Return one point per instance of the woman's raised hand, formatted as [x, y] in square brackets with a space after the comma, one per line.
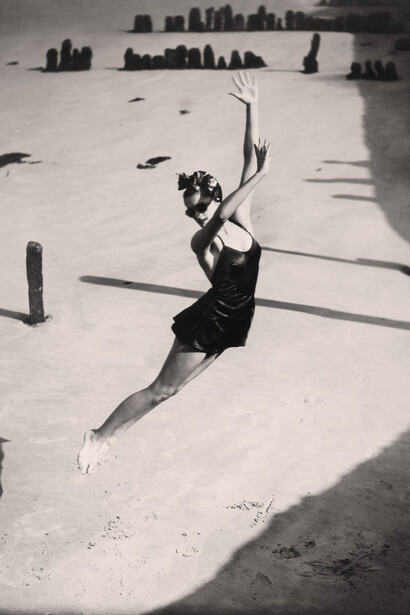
[248, 88]
[263, 158]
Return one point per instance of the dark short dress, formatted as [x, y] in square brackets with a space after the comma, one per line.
[221, 318]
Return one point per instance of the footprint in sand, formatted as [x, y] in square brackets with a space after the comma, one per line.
[116, 529]
[29, 532]
[187, 549]
[263, 510]
[30, 517]
[40, 523]
[152, 516]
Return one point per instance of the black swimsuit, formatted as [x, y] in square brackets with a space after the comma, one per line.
[221, 317]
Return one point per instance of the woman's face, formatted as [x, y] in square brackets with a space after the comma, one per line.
[197, 204]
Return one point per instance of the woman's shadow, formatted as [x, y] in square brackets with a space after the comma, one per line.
[2, 440]
[342, 551]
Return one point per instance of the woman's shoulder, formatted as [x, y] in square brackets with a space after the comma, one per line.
[199, 248]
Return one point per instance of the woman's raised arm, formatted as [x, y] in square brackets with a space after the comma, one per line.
[248, 94]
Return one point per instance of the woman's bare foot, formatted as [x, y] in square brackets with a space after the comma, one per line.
[91, 451]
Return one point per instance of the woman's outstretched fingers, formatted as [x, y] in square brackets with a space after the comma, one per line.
[236, 81]
[242, 78]
[248, 89]
[262, 152]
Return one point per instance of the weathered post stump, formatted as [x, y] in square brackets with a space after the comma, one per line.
[194, 58]
[209, 57]
[181, 54]
[34, 267]
[369, 73]
[380, 71]
[171, 58]
[76, 59]
[65, 55]
[355, 71]
[129, 59]
[310, 62]
[179, 23]
[158, 62]
[221, 65]
[86, 55]
[391, 72]
[52, 60]
[236, 62]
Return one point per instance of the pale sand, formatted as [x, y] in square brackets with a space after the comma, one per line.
[279, 479]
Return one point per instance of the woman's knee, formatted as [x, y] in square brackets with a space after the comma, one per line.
[161, 392]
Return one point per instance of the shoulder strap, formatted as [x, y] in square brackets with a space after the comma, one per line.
[243, 228]
[240, 226]
[223, 243]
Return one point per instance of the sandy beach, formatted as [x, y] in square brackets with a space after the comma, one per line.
[278, 481]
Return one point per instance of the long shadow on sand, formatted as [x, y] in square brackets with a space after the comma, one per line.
[342, 552]
[363, 262]
[347, 180]
[271, 303]
[355, 197]
[15, 315]
[354, 163]
[343, 180]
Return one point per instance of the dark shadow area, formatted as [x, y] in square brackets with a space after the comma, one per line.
[334, 314]
[344, 180]
[344, 551]
[271, 303]
[355, 197]
[363, 262]
[386, 123]
[15, 315]
[2, 441]
[150, 288]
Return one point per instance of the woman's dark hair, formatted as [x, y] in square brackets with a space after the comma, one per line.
[200, 180]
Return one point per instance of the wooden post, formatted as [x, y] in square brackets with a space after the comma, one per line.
[34, 266]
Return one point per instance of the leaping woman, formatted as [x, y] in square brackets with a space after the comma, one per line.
[229, 255]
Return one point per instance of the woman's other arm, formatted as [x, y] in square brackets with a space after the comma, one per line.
[202, 240]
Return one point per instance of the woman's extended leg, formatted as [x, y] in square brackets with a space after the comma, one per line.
[181, 366]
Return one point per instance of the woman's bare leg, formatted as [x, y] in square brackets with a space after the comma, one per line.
[181, 366]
